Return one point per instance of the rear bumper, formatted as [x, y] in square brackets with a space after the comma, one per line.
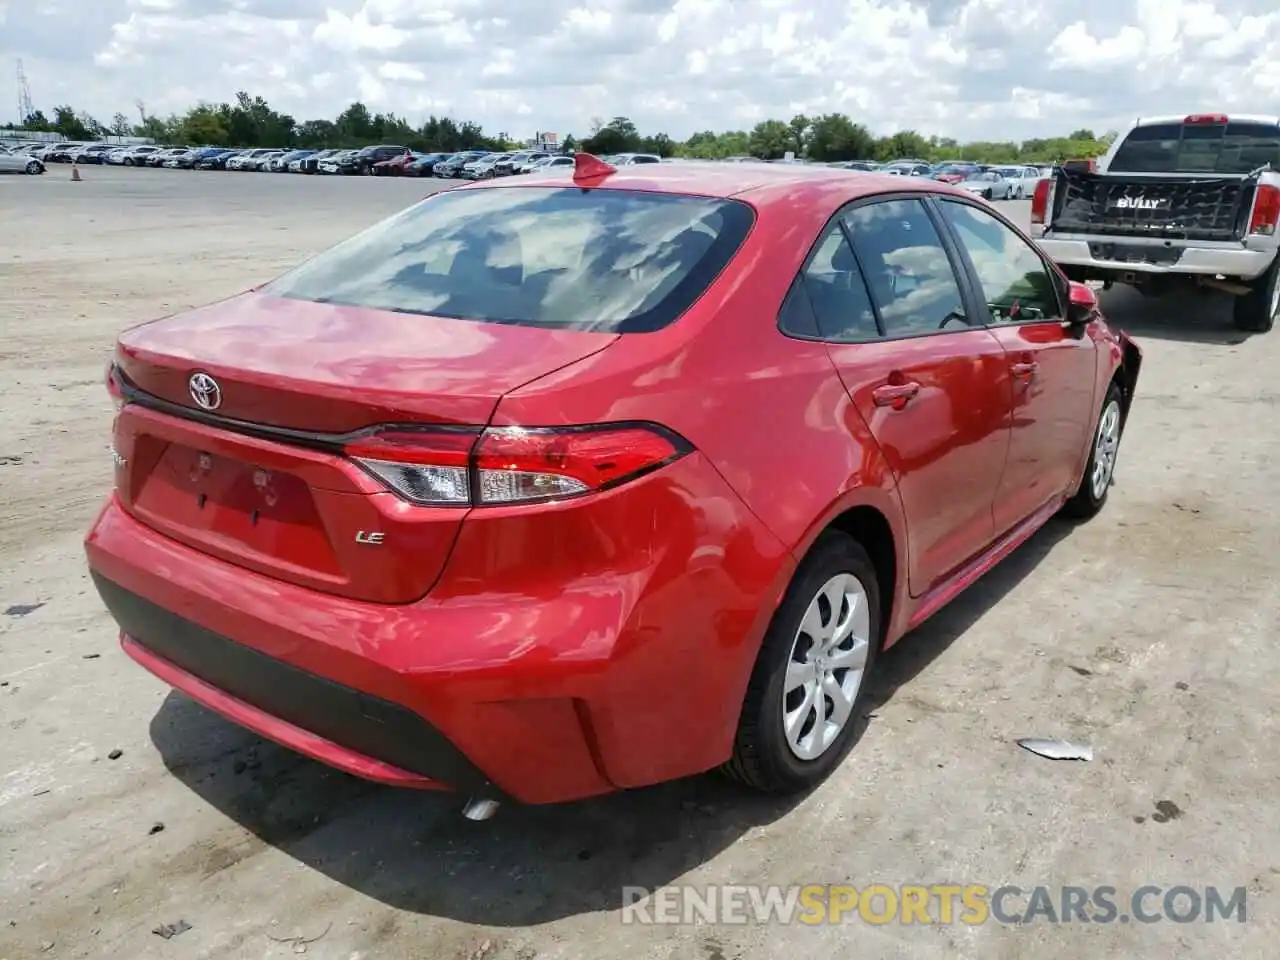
[265, 724]
[1226, 259]
[544, 685]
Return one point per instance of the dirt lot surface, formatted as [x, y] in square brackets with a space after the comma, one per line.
[1149, 633]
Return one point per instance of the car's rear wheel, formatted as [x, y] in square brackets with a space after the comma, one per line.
[806, 691]
[1257, 310]
[1101, 468]
[986, 194]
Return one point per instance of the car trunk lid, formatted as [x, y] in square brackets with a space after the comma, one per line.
[257, 477]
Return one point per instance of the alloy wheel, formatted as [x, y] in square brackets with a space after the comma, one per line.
[826, 667]
[1105, 448]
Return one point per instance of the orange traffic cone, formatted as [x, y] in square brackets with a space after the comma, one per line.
[75, 173]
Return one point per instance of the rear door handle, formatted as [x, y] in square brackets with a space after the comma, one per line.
[895, 395]
[1025, 371]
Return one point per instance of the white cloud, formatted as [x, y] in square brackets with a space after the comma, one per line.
[972, 69]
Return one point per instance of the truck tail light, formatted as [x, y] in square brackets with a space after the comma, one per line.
[473, 467]
[1266, 210]
[1040, 200]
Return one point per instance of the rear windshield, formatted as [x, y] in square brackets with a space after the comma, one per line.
[612, 261]
[1232, 148]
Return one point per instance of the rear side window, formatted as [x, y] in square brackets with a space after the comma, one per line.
[612, 261]
[837, 292]
[1235, 147]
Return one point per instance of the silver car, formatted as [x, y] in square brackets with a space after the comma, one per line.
[20, 163]
[989, 185]
[1024, 179]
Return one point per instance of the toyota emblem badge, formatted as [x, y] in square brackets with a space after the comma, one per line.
[205, 391]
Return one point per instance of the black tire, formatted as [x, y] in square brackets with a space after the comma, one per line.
[1255, 311]
[33, 168]
[128, 161]
[762, 759]
[1088, 500]
[986, 195]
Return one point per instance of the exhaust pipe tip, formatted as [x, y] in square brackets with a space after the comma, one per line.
[480, 809]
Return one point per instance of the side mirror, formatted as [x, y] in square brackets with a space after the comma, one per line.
[1082, 304]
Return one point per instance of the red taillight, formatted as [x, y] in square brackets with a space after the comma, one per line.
[1040, 200]
[1198, 118]
[507, 465]
[1266, 210]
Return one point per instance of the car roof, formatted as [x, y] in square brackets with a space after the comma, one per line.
[758, 183]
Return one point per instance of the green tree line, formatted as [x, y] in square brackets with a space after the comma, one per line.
[249, 121]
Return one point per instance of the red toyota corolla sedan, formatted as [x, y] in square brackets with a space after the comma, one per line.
[546, 489]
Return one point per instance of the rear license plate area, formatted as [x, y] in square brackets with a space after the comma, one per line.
[1136, 253]
[224, 501]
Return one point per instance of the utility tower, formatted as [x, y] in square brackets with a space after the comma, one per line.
[25, 107]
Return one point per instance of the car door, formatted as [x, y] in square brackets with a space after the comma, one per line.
[931, 386]
[1052, 366]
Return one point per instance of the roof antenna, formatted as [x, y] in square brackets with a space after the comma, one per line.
[588, 167]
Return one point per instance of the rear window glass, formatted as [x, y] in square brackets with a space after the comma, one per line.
[603, 260]
[1231, 148]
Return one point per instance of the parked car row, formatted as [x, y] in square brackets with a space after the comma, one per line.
[990, 181]
[379, 160]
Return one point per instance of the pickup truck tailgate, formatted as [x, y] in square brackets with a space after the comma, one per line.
[1173, 208]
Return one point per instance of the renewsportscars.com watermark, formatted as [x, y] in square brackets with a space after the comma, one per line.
[971, 904]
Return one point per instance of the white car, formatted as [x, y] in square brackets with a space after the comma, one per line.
[989, 185]
[484, 168]
[1024, 179]
[550, 163]
[631, 159]
[20, 162]
[245, 161]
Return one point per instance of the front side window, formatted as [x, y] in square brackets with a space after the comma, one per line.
[907, 269]
[612, 261]
[1015, 282]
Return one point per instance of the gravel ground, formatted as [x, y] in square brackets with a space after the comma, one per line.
[1148, 633]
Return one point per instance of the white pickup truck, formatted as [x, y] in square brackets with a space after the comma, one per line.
[1176, 201]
